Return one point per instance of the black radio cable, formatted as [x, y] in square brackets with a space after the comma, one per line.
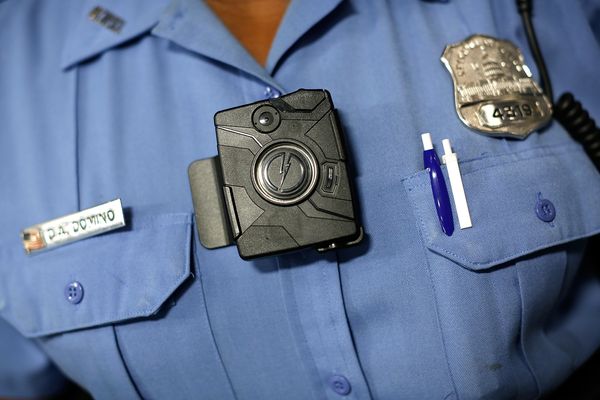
[567, 110]
[524, 7]
[572, 116]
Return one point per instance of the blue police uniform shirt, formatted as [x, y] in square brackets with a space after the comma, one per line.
[87, 114]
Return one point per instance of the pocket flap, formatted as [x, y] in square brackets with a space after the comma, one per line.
[502, 193]
[124, 274]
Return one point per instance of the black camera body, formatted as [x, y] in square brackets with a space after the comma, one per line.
[284, 178]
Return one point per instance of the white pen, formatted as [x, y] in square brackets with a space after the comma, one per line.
[458, 192]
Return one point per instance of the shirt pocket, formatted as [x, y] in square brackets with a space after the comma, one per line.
[121, 330]
[498, 284]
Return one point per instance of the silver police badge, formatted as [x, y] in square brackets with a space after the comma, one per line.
[493, 89]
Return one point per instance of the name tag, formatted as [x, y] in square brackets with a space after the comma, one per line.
[89, 222]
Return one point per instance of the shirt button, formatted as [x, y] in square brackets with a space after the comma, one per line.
[339, 384]
[545, 209]
[74, 292]
[271, 93]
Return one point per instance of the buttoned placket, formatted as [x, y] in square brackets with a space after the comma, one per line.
[312, 290]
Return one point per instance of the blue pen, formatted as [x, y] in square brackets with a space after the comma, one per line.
[438, 185]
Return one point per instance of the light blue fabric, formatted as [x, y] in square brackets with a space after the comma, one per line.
[25, 371]
[87, 115]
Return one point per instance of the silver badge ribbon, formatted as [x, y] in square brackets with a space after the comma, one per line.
[494, 92]
[69, 228]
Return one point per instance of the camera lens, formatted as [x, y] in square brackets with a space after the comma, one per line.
[266, 119]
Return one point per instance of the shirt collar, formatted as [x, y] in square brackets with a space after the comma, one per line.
[191, 24]
[88, 38]
[299, 18]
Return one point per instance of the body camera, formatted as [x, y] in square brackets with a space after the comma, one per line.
[284, 176]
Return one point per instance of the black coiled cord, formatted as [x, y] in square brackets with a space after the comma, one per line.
[577, 121]
[568, 111]
[573, 117]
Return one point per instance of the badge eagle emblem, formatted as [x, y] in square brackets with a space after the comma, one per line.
[493, 89]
